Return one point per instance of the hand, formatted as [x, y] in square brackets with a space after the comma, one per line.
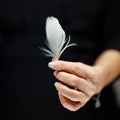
[77, 84]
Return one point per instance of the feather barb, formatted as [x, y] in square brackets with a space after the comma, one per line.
[56, 39]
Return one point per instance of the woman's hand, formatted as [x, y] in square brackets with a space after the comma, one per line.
[78, 82]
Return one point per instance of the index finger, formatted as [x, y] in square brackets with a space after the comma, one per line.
[76, 68]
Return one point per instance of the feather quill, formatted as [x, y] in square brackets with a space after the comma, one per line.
[56, 38]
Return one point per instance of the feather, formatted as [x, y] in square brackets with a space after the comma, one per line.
[56, 40]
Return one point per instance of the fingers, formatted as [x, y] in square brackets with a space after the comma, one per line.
[71, 67]
[71, 98]
[76, 82]
[69, 93]
[68, 104]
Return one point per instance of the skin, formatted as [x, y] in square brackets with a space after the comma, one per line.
[79, 82]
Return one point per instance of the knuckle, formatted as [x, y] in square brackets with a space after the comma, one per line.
[74, 82]
[75, 68]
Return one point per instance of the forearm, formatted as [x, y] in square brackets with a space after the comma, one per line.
[108, 66]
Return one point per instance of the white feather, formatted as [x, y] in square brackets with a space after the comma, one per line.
[56, 38]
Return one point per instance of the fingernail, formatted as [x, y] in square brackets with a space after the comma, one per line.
[55, 84]
[51, 64]
[55, 72]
